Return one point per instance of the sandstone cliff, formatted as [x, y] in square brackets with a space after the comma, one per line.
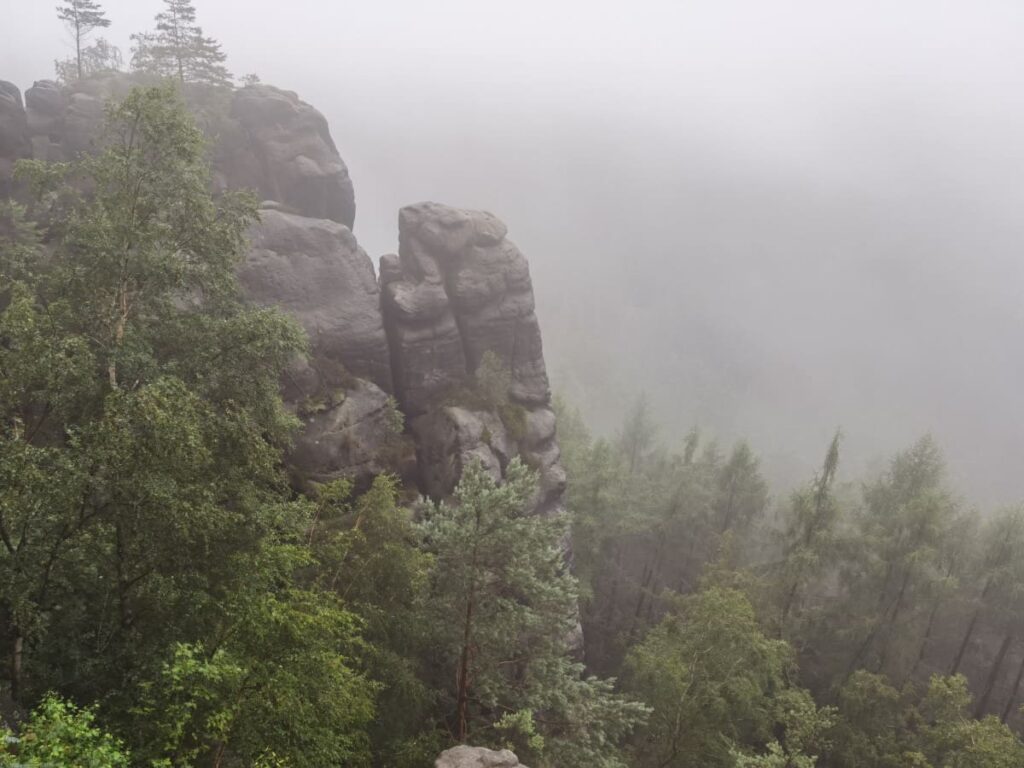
[457, 290]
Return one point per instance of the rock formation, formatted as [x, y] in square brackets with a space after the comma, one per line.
[457, 290]
[315, 269]
[477, 757]
[14, 135]
[278, 145]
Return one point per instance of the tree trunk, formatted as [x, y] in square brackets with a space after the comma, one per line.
[790, 599]
[462, 680]
[462, 705]
[993, 675]
[1013, 694]
[970, 630]
[17, 650]
[891, 624]
[78, 48]
[925, 640]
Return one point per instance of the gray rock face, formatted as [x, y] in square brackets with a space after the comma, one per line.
[463, 756]
[346, 439]
[14, 134]
[458, 289]
[449, 438]
[281, 147]
[265, 139]
[315, 269]
[66, 122]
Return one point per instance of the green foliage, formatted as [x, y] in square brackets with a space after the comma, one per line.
[59, 734]
[367, 554]
[881, 726]
[715, 683]
[775, 757]
[281, 683]
[178, 49]
[100, 58]
[150, 552]
[82, 17]
[503, 607]
[394, 419]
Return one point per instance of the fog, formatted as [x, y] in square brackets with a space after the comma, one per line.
[775, 218]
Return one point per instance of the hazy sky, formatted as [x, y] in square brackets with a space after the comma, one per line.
[776, 217]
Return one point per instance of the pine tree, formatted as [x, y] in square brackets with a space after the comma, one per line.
[81, 18]
[504, 608]
[179, 49]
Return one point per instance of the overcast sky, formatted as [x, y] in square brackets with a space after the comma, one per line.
[775, 216]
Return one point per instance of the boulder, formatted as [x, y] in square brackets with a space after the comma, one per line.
[280, 146]
[450, 438]
[316, 271]
[14, 134]
[463, 756]
[348, 436]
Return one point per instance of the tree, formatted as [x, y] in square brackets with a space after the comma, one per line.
[178, 48]
[277, 674]
[718, 686]
[1001, 571]
[367, 555]
[81, 18]
[59, 733]
[880, 727]
[808, 540]
[908, 515]
[637, 435]
[742, 492]
[504, 607]
[141, 426]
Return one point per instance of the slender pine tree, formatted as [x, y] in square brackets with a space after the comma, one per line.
[81, 18]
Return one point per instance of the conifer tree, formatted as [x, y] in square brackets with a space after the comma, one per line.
[81, 18]
[504, 606]
[179, 49]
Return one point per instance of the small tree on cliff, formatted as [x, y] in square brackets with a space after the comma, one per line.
[81, 18]
[178, 48]
[505, 608]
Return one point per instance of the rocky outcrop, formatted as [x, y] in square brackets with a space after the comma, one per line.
[15, 143]
[264, 139]
[458, 290]
[315, 269]
[357, 434]
[280, 146]
[477, 757]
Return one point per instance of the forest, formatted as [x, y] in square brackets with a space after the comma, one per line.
[171, 597]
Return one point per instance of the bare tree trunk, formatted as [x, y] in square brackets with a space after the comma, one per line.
[17, 651]
[462, 681]
[925, 640]
[1016, 689]
[993, 675]
[462, 699]
[970, 629]
[890, 625]
[78, 48]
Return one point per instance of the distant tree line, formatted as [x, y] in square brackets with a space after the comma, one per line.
[833, 627]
